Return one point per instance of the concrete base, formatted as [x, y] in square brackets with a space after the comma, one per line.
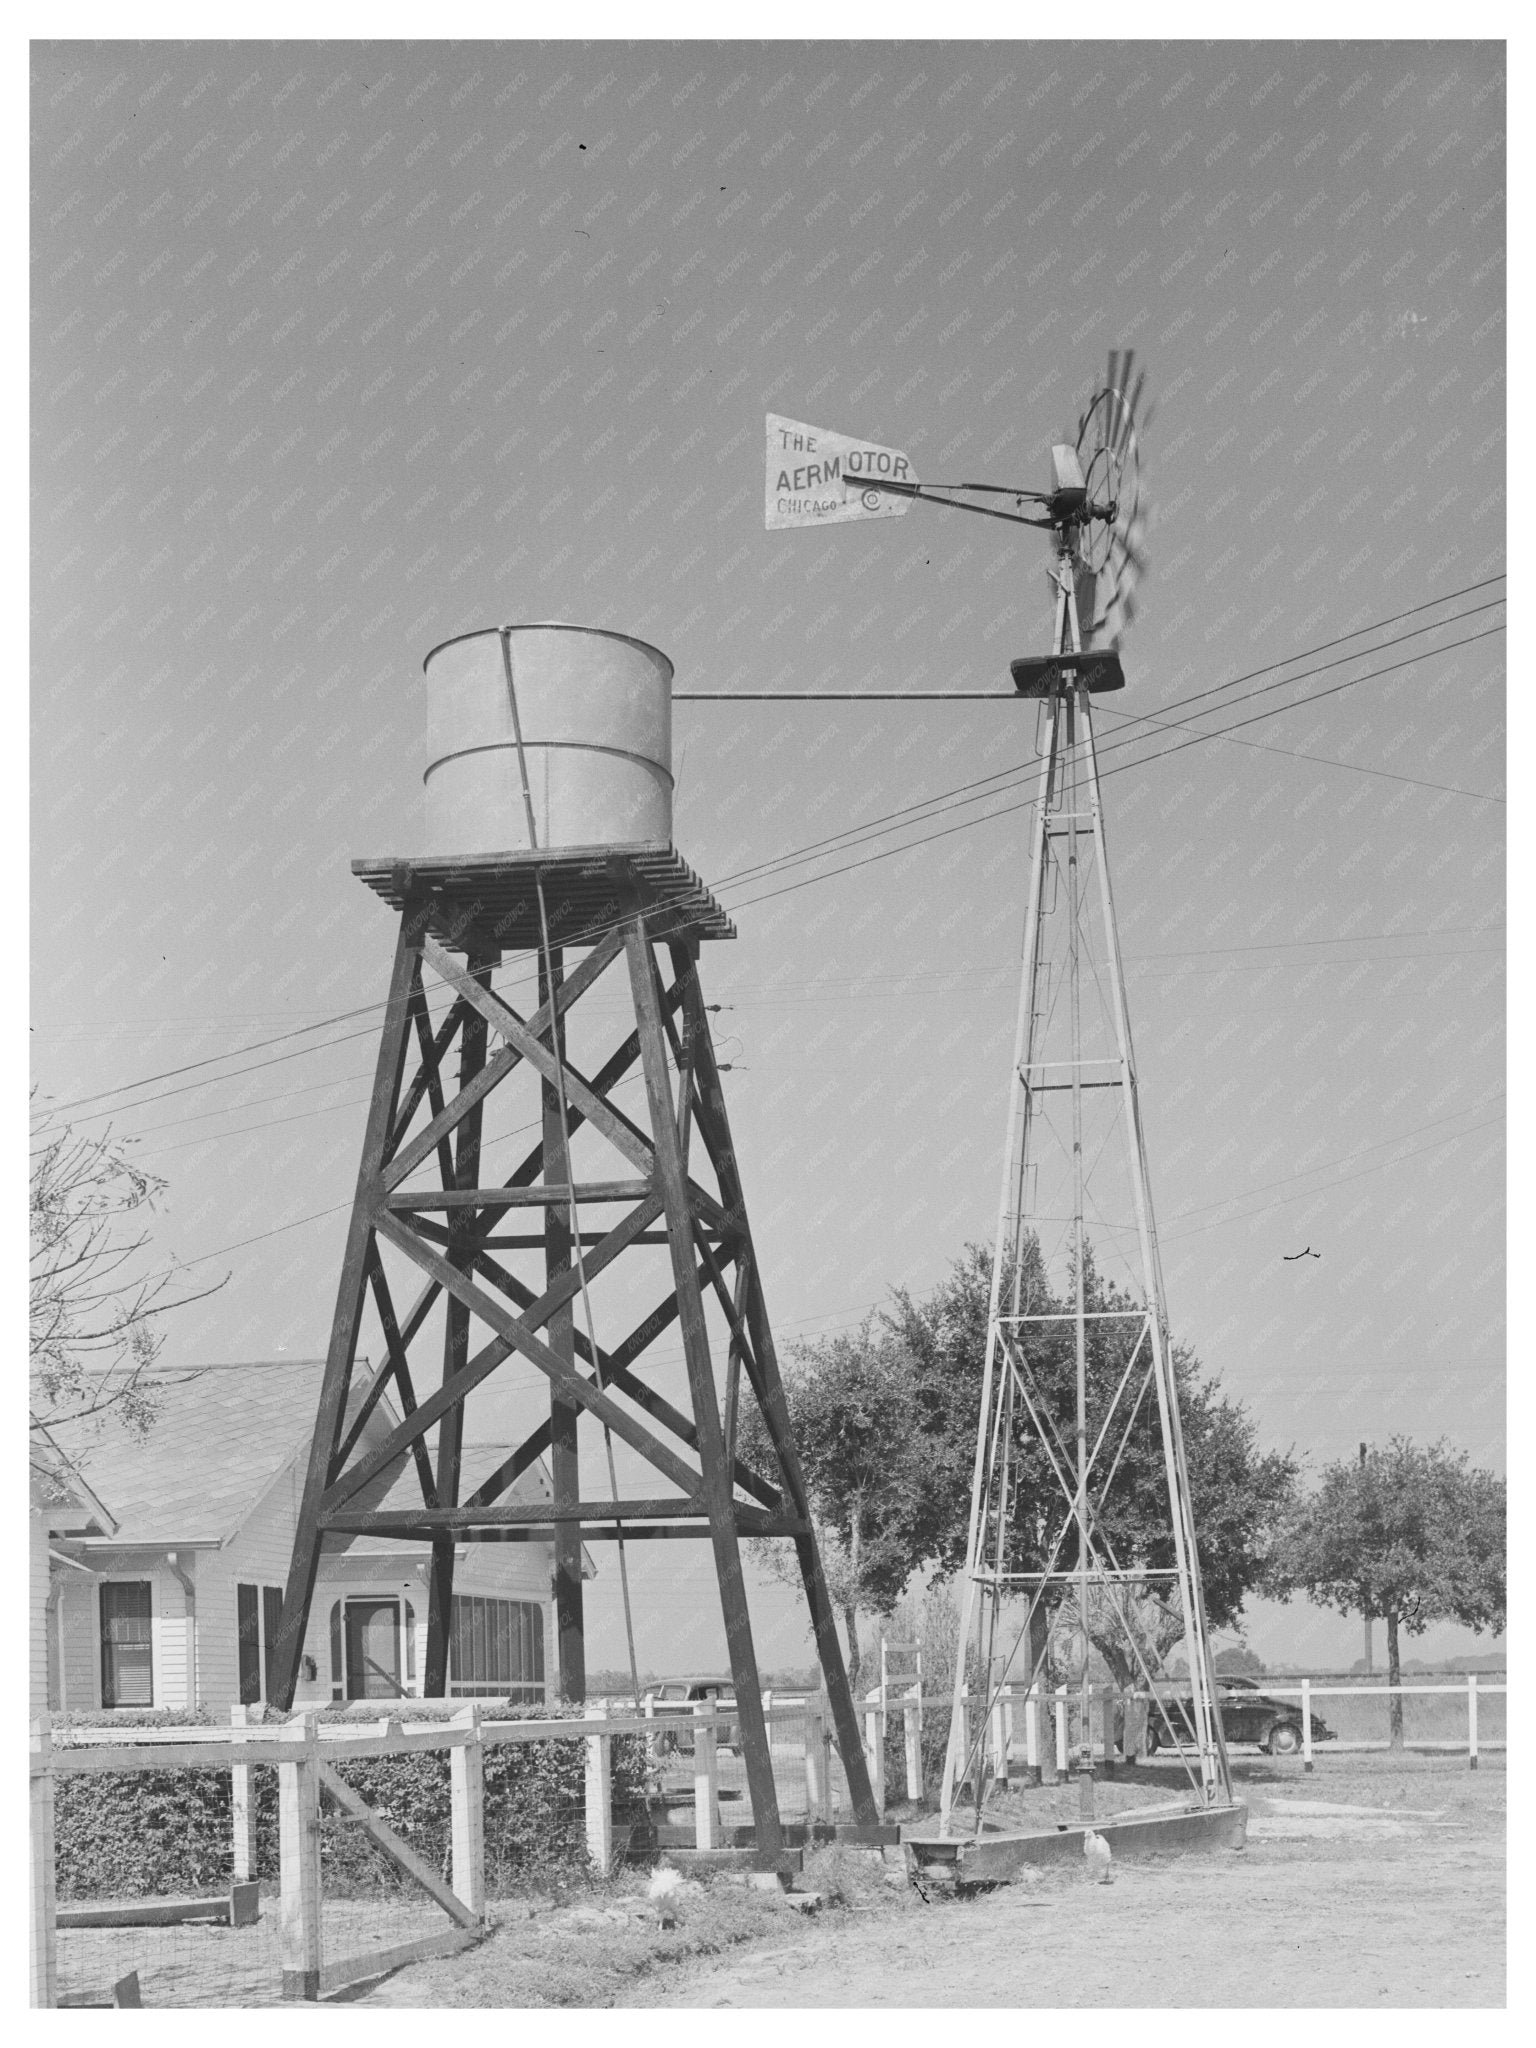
[994, 1858]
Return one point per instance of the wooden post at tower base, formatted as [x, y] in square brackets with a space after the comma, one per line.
[298, 1795]
[466, 1766]
[706, 1778]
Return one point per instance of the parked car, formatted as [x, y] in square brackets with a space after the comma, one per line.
[1247, 1715]
[674, 1700]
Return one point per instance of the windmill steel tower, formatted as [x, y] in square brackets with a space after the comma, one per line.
[1064, 1407]
[549, 815]
[1043, 1480]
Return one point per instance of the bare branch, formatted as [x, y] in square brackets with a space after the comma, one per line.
[95, 1313]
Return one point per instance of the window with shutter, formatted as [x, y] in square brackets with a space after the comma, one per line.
[127, 1644]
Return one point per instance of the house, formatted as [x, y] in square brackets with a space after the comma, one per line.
[166, 1557]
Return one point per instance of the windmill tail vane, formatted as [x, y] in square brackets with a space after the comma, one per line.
[817, 476]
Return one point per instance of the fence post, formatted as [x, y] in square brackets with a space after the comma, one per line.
[298, 1793]
[998, 1736]
[815, 1783]
[44, 1969]
[1062, 1759]
[914, 1736]
[706, 1778]
[1032, 1734]
[466, 1779]
[241, 1814]
[874, 1748]
[1306, 1724]
[599, 1797]
[1471, 1720]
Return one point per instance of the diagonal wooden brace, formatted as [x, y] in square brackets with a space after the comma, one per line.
[513, 1334]
[625, 1136]
[379, 1831]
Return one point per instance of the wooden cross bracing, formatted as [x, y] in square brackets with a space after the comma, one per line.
[424, 1205]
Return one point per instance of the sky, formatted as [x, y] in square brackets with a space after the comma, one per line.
[341, 349]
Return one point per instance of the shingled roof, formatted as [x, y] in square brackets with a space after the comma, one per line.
[222, 1436]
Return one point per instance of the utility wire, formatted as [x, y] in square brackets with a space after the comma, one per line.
[934, 807]
[1007, 810]
[1178, 704]
[1012, 777]
[959, 980]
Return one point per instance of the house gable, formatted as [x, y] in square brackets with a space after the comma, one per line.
[230, 1452]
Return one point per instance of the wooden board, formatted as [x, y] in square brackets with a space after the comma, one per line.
[360, 1969]
[125, 1992]
[995, 1858]
[238, 1907]
[588, 890]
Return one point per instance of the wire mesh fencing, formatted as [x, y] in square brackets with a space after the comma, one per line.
[209, 1866]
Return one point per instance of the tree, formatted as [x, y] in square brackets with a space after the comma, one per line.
[95, 1302]
[1415, 1535]
[850, 1407]
[886, 1425]
[1239, 1492]
[1239, 1661]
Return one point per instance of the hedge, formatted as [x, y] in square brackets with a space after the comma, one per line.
[136, 1834]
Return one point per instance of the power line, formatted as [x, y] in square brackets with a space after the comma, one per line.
[1178, 704]
[934, 807]
[1316, 697]
[959, 978]
[1007, 810]
[1310, 1194]
[1011, 696]
[1012, 778]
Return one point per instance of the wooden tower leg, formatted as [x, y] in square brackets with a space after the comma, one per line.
[462, 1225]
[717, 1488]
[715, 1129]
[300, 1588]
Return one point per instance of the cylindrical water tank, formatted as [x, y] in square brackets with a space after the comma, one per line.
[595, 713]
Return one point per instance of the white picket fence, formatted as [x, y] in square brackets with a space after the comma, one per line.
[1020, 1721]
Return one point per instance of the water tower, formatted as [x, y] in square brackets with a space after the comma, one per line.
[549, 824]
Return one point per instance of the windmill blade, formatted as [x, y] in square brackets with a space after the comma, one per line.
[1128, 412]
[1127, 544]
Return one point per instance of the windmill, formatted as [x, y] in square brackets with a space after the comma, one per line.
[1072, 1398]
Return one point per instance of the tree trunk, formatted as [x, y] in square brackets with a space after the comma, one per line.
[851, 1624]
[851, 1605]
[1394, 1680]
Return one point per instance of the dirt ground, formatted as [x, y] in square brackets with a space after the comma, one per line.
[1374, 1882]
